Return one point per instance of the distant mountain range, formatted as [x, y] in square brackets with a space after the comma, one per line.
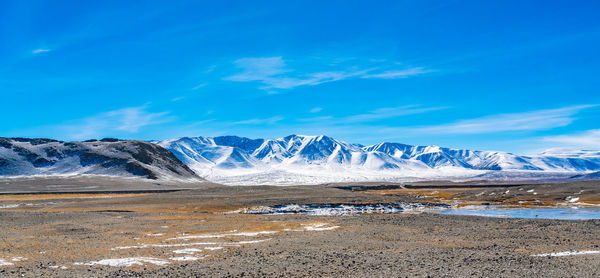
[112, 157]
[315, 159]
[293, 159]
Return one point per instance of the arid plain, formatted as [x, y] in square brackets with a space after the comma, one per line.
[121, 228]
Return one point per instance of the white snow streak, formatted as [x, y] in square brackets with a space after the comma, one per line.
[162, 245]
[58, 266]
[186, 258]
[319, 227]
[223, 235]
[126, 262]
[189, 251]
[5, 263]
[568, 253]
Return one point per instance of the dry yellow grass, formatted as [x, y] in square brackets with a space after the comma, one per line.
[36, 197]
[126, 224]
[461, 197]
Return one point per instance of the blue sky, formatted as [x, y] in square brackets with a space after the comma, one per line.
[517, 76]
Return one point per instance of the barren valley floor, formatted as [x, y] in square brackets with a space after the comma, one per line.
[200, 232]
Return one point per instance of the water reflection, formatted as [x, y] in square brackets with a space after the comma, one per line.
[541, 213]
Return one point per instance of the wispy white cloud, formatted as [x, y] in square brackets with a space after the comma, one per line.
[587, 139]
[525, 121]
[258, 69]
[199, 86]
[396, 74]
[257, 121]
[210, 69]
[374, 115]
[40, 50]
[310, 79]
[390, 112]
[316, 110]
[127, 120]
[134, 118]
[273, 73]
[326, 119]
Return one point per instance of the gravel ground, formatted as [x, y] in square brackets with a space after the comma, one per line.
[64, 229]
[424, 245]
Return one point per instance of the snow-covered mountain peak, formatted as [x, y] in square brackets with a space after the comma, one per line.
[303, 155]
[246, 144]
[293, 159]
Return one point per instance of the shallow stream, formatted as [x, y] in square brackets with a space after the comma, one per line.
[542, 213]
[571, 213]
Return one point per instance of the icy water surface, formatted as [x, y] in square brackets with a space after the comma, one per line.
[542, 213]
[489, 211]
[342, 209]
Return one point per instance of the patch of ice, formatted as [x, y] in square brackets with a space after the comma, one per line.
[530, 190]
[5, 263]
[321, 210]
[542, 213]
[28, 205]
[18, 259]
[336, 210]
[319, 227]
[567, 253]
[223, 235]
[252, 241]
[254, 233]
[57, 267]
[156, 234]
[213, 248]
[186, 258]
[189, 251]
[141, 246]
[126, 262]
[572, 199]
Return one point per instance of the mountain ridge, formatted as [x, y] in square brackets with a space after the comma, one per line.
[226, 156]
[293, 159]
[111, 157]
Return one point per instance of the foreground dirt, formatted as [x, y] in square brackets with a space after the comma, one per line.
[68, 235]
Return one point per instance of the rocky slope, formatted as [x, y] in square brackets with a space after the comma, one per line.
[112, 157]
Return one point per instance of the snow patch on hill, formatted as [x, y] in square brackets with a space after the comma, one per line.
[110, 157]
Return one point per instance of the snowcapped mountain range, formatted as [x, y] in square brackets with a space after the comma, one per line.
[293, 159]
[112, 157]
[298, 159]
